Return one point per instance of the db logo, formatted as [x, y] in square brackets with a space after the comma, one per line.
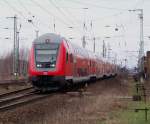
[45, 73]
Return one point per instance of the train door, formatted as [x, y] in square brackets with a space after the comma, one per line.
[74, 66]
[69, 65]
[69, 62]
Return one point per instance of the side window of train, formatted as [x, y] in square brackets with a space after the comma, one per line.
[71, 58]
[90, 63]
[74, 59]
[67, 57]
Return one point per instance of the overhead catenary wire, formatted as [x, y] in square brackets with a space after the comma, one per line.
[31, 13]
[95, 5]
[13, 8]
[138, 2]
[72, 22]
[22, 15]
[50, 13]
[19, 12]
[60, 11]
[21, 4]
[69, 21]
[70, 17]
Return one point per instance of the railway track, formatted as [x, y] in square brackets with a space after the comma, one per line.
[16, 92]
[18, 98]
[13, 82]
[21, 97]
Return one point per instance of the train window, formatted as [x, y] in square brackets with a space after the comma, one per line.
[67, 56]
[71, 58]
[90, 63]
[67, 43]
[46, 55]
[47, 46]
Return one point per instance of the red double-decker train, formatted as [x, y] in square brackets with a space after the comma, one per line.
[56, 62]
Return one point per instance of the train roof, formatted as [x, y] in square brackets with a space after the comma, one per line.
[49, 36]
[55, 38]
[78, 50]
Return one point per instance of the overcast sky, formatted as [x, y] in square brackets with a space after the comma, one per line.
[105, 15]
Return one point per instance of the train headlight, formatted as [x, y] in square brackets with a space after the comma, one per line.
[52, 65]
[38, 65]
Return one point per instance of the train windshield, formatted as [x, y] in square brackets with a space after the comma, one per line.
[46, 55]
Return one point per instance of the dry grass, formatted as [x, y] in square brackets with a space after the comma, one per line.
[94, 108]
[13, 87]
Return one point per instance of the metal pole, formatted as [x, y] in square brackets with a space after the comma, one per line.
[141, 47]
[17, 55]
[37, 33]
[83, 42]
[141, 51]
[108, 48]
[94, 45]
[84, 28]
[54, 26]
[15, 46]
[104, 49]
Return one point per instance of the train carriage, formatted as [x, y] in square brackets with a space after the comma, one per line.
[55, 62]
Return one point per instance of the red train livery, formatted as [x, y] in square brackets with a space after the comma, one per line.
[55, 62]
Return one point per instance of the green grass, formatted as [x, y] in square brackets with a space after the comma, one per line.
[128, 115]
[131, 117]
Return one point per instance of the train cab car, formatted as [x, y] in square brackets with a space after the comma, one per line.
[46, 63]
[55, 62]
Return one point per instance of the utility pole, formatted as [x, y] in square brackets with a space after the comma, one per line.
[37, 33]
[16, 48]
[108, 50]
[141, 49]
[84, 28]
[17, 54]
[125, 62]
[54, 25]
[94, 38]
[83, 42]
[94, 45]
[104, 49]
[141, 45]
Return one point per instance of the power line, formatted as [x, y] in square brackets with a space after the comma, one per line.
[20, 2]
[19, 12]
[48, 12]
[138, 1]
[13, 8]
[63, 13]
[109, 16]
[30, 13]
[95, 5]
